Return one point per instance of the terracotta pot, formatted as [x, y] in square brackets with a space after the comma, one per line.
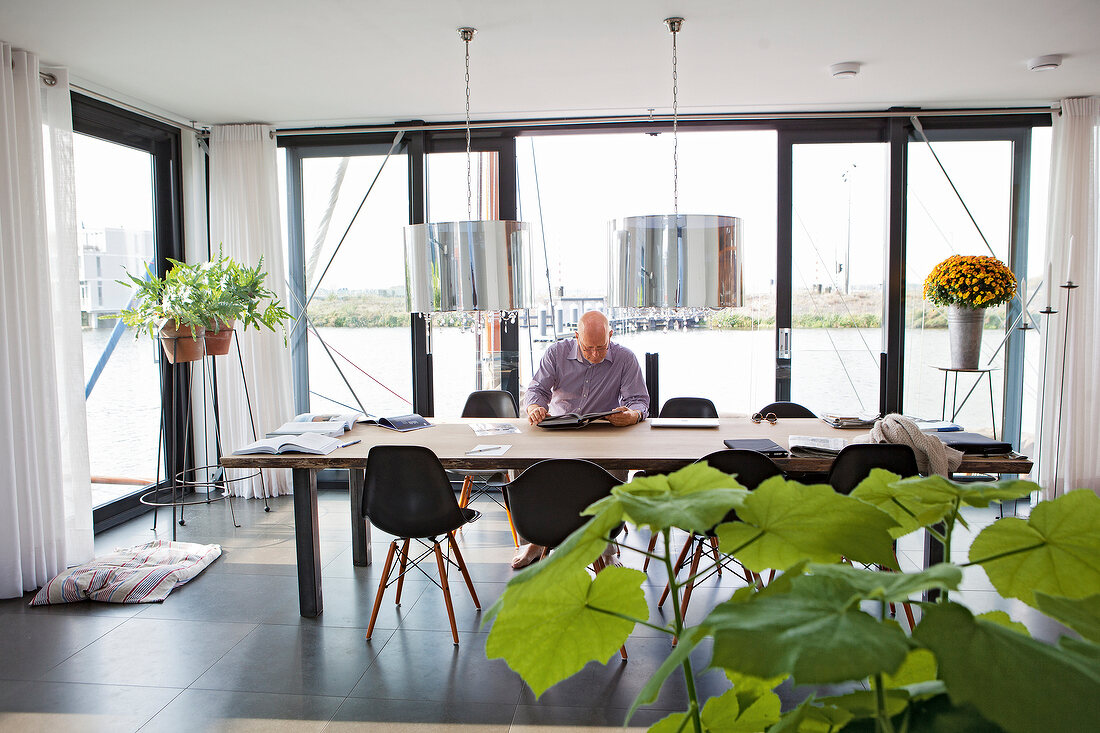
[218, 337]
[964, 332]
[182, 344]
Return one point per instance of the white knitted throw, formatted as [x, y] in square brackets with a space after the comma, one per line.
[933, 455]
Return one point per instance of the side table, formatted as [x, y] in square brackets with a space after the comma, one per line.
[957, 406]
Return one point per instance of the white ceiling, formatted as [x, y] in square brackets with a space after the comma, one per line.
[289, 62]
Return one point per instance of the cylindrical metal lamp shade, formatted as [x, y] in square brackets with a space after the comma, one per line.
[696, 261]
[467, 266]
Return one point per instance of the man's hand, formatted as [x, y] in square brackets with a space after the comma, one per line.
[624, 416]
[536, 414]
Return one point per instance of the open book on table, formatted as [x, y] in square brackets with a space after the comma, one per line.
[318, 423]
[573, 419]
[307, 443]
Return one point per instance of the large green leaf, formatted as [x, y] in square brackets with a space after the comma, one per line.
[695, 498]
[1002, 618]
[547, 630]
[874, 585]
[1080, 614]
[935, 490]
[878, 490]
[1056, 551]
[727, 713]
[919, 666]
[783, 522]
[816, 632]
[1017, 682]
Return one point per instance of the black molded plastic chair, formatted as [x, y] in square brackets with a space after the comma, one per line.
[546, 501]
[490, 403]
[751, 469]
[689, 407]
[486, 403]
[787, 409]
[407, 494]
[855, 462]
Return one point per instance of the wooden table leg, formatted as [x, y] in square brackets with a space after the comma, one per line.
[307, 541]
[360, 527]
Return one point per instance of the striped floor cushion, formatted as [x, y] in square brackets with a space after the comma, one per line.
[141, 574]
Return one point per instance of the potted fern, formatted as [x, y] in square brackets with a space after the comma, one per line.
[172, 308]
[234, 293]
[193, 308]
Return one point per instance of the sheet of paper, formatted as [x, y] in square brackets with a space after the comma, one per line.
[493, 428]
[482, 449]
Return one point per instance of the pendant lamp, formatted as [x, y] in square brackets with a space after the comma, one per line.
[467, 265]
[675, 260]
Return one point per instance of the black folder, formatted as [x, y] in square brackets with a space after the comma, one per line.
[767, 446]
[974, 443]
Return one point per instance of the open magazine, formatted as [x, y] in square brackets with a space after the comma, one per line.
[308, 443]
[573, 420]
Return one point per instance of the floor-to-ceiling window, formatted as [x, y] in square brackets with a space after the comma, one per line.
[126, 170]
[347, 238]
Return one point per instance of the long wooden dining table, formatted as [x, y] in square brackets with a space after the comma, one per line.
[640, 446]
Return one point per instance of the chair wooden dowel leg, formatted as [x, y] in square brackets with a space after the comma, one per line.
[650, 549]
[908, 607]
[446, 591]
[512, 526]
[381, 588]
[622, 652]
[467, 487]
[714, 553]
[401, 575]
[694, 569]
[462, 567]
[682, 560]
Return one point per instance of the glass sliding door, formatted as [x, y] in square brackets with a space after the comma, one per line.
[978, 220]
[352, 253]
[838, 241]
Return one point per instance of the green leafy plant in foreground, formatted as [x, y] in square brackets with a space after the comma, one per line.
[824, 621]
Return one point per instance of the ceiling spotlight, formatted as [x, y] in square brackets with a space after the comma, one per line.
[1045, 63]
[845, 70]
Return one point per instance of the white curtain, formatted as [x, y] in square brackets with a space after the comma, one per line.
[244, 222]
[1068, 455]
[45, 491]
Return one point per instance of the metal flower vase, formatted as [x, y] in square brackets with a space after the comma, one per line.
[964, 331]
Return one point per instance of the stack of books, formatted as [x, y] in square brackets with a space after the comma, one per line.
[314, 423]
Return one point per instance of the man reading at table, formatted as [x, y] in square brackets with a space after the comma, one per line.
[588, 373]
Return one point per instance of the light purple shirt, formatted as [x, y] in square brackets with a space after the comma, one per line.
[567, 382]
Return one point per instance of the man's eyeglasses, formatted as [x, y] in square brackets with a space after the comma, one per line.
[770, 417]
[594, 349]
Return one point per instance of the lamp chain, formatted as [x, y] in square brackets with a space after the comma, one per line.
[674, 27]
[469, 180]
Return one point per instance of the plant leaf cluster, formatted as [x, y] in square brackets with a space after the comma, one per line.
[823, 620]
[204, 295]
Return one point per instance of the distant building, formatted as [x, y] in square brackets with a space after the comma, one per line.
[105, 257]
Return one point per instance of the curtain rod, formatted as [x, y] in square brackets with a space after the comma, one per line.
[649, 118]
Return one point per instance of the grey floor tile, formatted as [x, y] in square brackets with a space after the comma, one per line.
[41, 641]
[226, 597]
[399, 716]
[430, 612]
[426, 665]
[81, 708]
[300, 660]
[348, 602]
[155, 652]
[215, 711]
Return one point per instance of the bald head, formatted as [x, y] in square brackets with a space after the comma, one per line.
[593, 336]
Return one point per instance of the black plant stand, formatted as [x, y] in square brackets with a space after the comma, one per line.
[175, 494]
